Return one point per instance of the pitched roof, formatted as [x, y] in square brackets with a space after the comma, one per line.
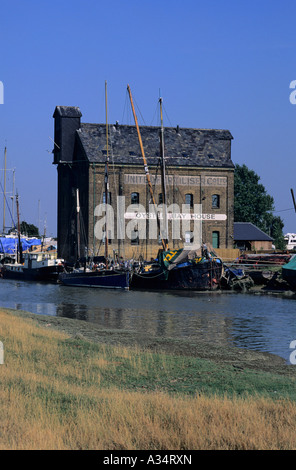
[183, 146]
[245, 231]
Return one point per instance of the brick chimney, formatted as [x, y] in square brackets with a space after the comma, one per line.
[66, 123]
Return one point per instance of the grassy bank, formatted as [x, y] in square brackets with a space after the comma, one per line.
[63, 390]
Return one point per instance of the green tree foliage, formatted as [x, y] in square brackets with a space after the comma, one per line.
[253, 204]
[29, 229]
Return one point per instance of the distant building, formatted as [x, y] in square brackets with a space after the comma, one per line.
[248, 237]
[290, 239]
[199, 170]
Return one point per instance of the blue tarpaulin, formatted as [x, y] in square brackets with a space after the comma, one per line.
[9, 245]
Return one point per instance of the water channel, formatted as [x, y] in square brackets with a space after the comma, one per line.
[259, 322]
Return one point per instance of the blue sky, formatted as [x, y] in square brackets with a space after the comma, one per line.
[225, 65]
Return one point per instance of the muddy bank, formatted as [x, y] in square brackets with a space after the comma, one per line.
[226, 356]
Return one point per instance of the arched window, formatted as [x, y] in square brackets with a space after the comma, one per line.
[135, 237]
[109, 198]
[189, 199]
[215, 201]
[135, 198]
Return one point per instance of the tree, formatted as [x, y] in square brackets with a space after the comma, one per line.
[29, 229]
[253, 204]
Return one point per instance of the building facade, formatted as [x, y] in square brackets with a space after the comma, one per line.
[199, 176]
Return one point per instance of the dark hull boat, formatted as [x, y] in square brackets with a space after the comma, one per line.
[192, 274]
[106, 278]
[36, 267]
[48, 274]
[289, 272]
[100, 278]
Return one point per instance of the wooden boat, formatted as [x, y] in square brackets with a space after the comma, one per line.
[32, 266]
[289, 272]
[199, 273]
[104, 278]
[184, 273]
[37, 266]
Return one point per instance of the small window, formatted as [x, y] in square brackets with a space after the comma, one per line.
[135, 198]
[189, 200]
[135, 237]
[215, 201]
[189, 237]
[109, 198]
[104, 237]
[216, 239]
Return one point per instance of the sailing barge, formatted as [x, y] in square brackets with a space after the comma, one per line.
[101, 278]
[179, 270]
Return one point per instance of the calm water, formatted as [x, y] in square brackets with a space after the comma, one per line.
[264, 323]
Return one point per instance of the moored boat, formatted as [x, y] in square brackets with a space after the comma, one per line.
[174, 269]
[37, 266]
[179, 270]
[105, 278]
[289, 272]
[108, 277]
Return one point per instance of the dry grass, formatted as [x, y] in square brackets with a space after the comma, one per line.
[53, 395]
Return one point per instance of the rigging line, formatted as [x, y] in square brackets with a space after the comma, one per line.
[156, 109]
[284, 210]
[126, 110]
[139, 111]
[113, 163]
[8, 206]
[163, 107]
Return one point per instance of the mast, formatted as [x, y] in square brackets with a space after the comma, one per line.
[20, 250]
[106, 178]
[293, 198]
[145, 164]
[163, 176]
[78, 223]
[4, 191]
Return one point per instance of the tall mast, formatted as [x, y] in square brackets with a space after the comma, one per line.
[145, 163]
[4, 191]
[106, 178]
[77, 223]
[20, 251]
[163, 177]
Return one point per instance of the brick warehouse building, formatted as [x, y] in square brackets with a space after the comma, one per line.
[199, 170]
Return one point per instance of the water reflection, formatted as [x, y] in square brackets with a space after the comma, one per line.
[265, 323]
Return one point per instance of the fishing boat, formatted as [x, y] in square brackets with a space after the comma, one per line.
[179, 270]
[173, 269]
[106, 277]
[289, 272]
[31, 266]
[37, 266]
